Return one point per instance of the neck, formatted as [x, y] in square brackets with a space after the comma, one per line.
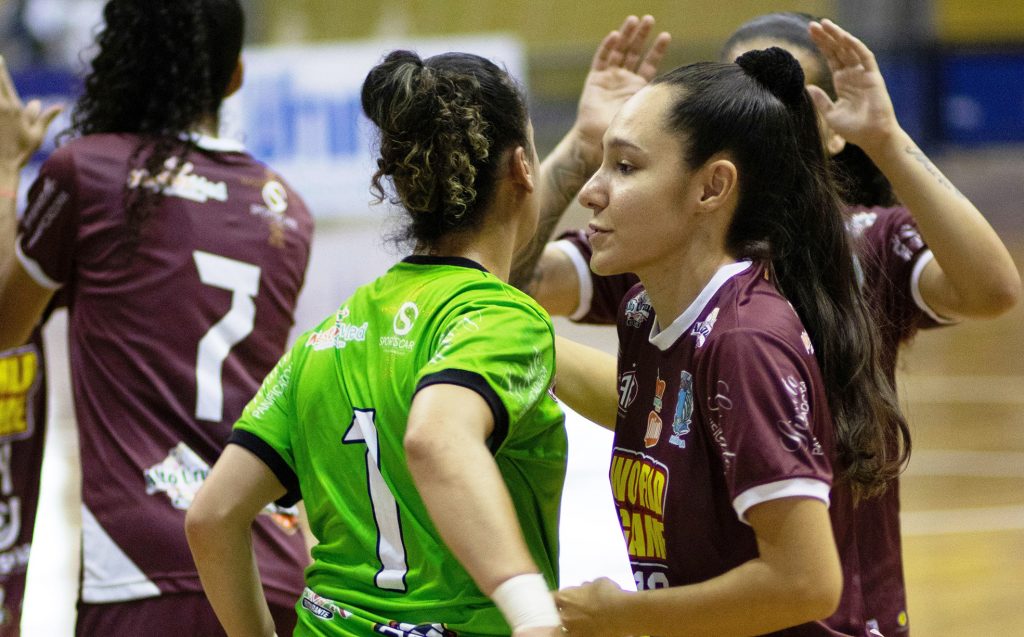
[672, 286]
[488, 245]
[208, 125]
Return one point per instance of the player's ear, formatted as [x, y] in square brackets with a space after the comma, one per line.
[521, 168]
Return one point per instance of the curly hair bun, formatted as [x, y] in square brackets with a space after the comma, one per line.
[777, 70]
[389, 84]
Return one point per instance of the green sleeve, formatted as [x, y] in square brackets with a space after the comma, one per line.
[503, 349]
[267, 424]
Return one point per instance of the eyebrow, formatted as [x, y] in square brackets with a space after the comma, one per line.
[618, 142]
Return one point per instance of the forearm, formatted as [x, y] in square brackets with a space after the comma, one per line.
[586, 381]
[563, 173]
[227, 567]
[977, 268]
[471, 508]
[751, 599]
[8, 221]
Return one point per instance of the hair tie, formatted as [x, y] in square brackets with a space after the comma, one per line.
[777, 70]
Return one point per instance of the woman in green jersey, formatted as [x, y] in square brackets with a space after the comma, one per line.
[416, 423]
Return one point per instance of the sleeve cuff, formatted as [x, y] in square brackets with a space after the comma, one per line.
[262, 450]
[923, 259]
[34, 270]
[477, 383]
[791, 488]
[583, 275]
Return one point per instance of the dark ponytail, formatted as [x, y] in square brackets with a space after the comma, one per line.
[861, 183]
[160, 69]
[444, 125]
[790, 216]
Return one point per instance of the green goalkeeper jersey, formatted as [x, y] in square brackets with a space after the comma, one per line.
[329, 420]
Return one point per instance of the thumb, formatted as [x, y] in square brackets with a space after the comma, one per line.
[822, 102]
[50, 114]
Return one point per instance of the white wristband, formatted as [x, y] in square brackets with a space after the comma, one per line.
[526, 602]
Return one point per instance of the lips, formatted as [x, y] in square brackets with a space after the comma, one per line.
[594, 232]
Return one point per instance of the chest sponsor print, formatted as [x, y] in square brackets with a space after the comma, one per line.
[628, 389]
[684, 410]
[639, 484]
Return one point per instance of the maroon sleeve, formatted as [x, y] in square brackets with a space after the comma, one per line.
[48, 228]
[600, 296]
[893, 253]
[768, 416]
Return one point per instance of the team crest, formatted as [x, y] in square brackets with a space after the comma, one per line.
[703, 329]
[684, 410]
[628, 388]
[638, 309]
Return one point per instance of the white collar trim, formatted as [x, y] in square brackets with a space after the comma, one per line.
[215, 144]
[666, 338]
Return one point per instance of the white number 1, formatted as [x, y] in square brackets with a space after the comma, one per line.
[243, 281]
[390, 547]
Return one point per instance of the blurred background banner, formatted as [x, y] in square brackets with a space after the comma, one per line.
[299, 111]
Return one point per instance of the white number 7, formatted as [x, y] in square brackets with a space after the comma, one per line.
[243, 281]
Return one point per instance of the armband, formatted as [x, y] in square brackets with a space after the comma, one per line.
[526, 602]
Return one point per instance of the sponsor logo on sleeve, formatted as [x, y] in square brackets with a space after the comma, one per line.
[702, 330]
[860, 222]
[638, 309]
[795, 432]
[808, 345]
[639, 484]
[401, 629]
[321, 607]
[19, 381]
[906, 242]
[684, 411]
[718, 406]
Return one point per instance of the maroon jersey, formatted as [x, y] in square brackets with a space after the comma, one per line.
[719, 411]
[167, 343]
[22, 435]
[890, 255]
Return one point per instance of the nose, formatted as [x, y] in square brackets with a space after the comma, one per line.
[594, 194]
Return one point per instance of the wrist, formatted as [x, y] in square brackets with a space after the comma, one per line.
[587, 147]
[886, 144]
[526, 602]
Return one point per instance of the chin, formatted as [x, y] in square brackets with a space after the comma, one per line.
[601, 265]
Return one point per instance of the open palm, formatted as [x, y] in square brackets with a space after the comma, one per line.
[862, 111]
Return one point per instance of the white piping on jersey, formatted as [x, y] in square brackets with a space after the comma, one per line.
[34, 270]
[215, 144]
[789, 488]
[666, 338]
[923, 259]
[583, 275]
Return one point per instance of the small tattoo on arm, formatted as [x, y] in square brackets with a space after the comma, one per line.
[917, 154]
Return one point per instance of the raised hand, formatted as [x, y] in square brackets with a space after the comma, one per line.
[619, 69]
[22, 126]
[862, 111]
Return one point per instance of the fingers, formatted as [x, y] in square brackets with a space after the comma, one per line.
[841, 48]
[624, 48]
[822, 102]
[50, 114]
[7, 90]
[649, 67]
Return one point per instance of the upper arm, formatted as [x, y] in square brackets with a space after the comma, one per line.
[587, 381]
[238, 487]
[794, 536]
[22, 301]
[448, 414]
[556, 282]
[940, 298]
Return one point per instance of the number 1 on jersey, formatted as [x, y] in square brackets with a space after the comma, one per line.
[390, 546]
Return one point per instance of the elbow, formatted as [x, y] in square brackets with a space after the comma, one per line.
[819, 592]
[204, 521]
[996, 299]
[422, 452]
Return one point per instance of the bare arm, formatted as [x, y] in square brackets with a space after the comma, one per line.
[973, 274]
[22, 127]
[587, 381]
[795, 579]
[445, 445]
[219, 530]
[618, 70]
